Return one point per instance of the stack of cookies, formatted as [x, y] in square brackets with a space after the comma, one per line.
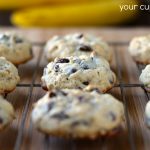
[14, 50]
[139, 49]
[77, 77]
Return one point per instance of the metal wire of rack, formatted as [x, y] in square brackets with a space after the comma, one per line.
[120, 85]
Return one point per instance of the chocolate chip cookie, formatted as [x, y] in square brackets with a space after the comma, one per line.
[7, 113]
[75, 45]
[9, 77]
[83, 72]
[145, 77]
[77, 114]
[139, 49]
[15, 48]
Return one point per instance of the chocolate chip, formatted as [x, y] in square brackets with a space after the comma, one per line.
[82, 122]
[78, 61]
[52, 94]
[50, 106]
[60, 116]
[63, 93]
[85, 48]
[18, 40]
[45, 88]
[80, 98]
[56, 68]
[85, 67]
[86, 83]
[1, 120]
[112, 116]
[73, 70]
[63, 60]
[111, 81]
[80, 36]
[79, 88]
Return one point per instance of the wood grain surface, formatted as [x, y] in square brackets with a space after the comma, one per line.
[22, 135]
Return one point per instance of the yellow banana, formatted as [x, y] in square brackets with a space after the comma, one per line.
[13, 4]
[92, 13]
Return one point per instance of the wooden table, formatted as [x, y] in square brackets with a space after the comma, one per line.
[22, 135]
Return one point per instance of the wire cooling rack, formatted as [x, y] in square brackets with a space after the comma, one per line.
[121, 85]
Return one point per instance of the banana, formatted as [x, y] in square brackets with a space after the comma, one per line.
[87, 14]
[14, 4]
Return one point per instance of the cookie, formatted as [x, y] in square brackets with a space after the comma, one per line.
[75, 45]
[9, 77]
[7, 113]
[147, 114]
[77, 114]
[15, 48]
[145, 77]
[82, 72]
[139, 49]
